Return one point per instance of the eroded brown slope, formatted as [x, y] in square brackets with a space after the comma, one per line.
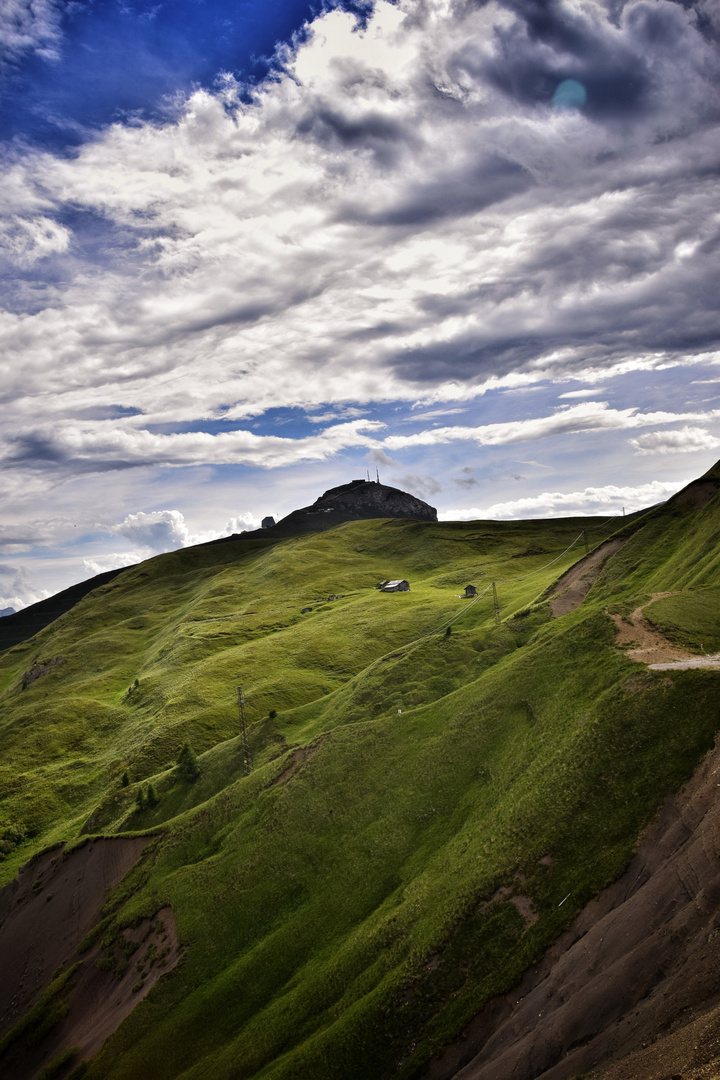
[44, 915]
[571, 589]
[640, 963]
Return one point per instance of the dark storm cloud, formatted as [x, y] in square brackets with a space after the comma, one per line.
[371, 131]
[452, 194]
[549, 43]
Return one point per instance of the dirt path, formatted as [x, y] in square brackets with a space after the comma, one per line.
[648, 646]
[574, 585]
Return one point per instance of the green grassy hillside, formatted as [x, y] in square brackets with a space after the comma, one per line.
[426, 809]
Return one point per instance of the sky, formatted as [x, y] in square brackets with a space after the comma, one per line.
[250, 250]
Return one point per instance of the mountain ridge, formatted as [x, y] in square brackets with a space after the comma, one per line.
[426, 812]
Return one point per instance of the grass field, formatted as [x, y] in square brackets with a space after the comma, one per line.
[426, 809]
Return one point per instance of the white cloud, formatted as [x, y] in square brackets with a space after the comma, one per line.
[160, 530]
[397, 214]
[240, 523]
[93, 446]
[30, 26]
[387, 216]
[568, 420]
[165, 530]
[16, 588]
[609, 500]
[112, 561]
[683, 441]
[23, 241]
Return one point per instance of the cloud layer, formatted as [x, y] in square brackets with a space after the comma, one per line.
[610, 499]
[29, 26]
[401, 210]
[442, 202]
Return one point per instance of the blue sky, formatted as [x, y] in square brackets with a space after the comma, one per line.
[250, 250]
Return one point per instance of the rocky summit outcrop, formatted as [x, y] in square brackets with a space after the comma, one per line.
[352, 502]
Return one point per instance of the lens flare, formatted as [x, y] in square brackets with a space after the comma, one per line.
[569, 94]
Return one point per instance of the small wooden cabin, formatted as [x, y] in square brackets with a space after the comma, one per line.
[395, 586]
[470, 590]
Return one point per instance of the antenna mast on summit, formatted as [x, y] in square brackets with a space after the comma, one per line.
[377, 474]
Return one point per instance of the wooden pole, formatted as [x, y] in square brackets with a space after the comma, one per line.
[496, 605]
[247, 757]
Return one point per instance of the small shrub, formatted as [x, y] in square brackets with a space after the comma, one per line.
[124, 779]
[152, 799]
[10, 837]
[187, 766]
[272, 714]
[140, 800]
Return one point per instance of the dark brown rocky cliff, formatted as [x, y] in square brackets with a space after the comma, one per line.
[351, 502]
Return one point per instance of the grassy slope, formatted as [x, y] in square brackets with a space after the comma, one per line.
[343, 916]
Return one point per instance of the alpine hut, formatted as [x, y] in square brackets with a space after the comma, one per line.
[470, 590]
[395, 586]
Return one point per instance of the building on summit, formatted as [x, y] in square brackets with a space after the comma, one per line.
[267, 522]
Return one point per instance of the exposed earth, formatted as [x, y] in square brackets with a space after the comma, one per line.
[571, 589]
[630, 991]
[647, 645]
[45, 914]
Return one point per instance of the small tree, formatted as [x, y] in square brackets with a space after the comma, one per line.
[140, 800]
[152, 799]
[124, 779]
[272, 714]
[187, 766]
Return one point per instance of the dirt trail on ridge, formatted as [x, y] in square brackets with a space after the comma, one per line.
[645, 644]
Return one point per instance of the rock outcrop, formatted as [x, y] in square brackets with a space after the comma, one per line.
[352, 502]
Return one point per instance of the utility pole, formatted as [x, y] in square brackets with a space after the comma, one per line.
[247, 758]
[587, 549]
[623, 511]
[496, 605]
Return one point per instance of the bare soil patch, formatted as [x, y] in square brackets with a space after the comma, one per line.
[299, 757]
[574, 585]
[631, 989]
[698, 493]
[47, 911]
[647, 645]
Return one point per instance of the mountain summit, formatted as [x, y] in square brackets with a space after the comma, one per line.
[360, 499]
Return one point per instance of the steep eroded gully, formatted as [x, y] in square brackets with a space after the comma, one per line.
[45, 913]
[631, 990]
